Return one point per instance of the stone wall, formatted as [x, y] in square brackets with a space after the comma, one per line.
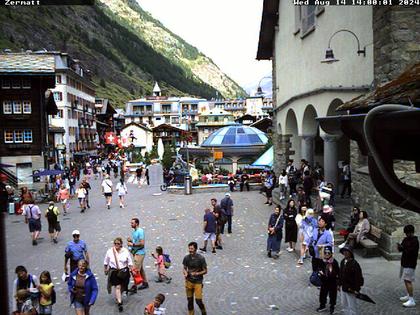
[383, 214]
[396, 39]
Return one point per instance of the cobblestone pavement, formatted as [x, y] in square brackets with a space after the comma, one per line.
[240, 279]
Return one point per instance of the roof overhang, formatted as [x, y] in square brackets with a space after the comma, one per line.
[385, 134]
[269, 20]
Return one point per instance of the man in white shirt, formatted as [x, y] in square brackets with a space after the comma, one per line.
[33, 219]
[107, 190]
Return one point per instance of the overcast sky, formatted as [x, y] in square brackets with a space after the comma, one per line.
[225, 30]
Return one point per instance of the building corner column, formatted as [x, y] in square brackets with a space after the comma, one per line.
[331, 158]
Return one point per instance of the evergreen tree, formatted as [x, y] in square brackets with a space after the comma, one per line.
[154, 152]
[147, 158]
[167, 158]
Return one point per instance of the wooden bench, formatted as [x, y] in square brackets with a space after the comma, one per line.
[370, 244]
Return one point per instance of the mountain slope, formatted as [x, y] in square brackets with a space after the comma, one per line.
[124, 64]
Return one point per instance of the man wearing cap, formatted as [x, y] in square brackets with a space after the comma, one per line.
[75, 251]
[351, 280]
[328, 272]
[226, 204]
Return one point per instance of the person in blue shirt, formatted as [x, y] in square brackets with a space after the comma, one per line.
[137, 248]
[307, 228]
[321, 237]
[75, 251]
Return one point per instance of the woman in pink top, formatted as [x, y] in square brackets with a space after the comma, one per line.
[160, 265]
[63, 196]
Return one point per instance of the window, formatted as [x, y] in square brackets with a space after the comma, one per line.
[7, 107]
[58, 79]
[26, 83]
[69, 115]
[27, 135]
[305, 18]
[27, 107]
[5, 84]
[15, 84]
[17, 107]
[8, 136]
[18, 136]
[58, 96]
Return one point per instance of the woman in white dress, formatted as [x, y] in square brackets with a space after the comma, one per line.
[122, 191]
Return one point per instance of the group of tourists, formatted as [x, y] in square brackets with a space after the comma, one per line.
[317, 242]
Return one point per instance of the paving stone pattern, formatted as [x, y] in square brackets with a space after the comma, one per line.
[240, 279]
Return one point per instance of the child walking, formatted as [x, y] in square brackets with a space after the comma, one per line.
[25, 305]
[45, 288]
[160, 265]
[122, 191]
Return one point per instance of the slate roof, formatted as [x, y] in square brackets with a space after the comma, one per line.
[27, 63]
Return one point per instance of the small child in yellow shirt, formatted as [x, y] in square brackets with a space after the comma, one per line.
[46, 289]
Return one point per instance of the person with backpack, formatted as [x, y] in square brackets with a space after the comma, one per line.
[54, 227]
[161, 263]
[47, 294]
[33, 219]
[24, 282]
[291, 177]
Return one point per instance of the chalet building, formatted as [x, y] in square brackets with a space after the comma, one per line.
[137, 136]
[26, 103]
[257, 106]
[104, 113]
[169, 135]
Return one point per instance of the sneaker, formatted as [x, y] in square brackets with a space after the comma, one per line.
[342, 245]
[266, 203]
[219, 247]
[120, 307]
[213, 250]
[168, 280]
[203, 249]
[144, 285]
[158, 280]
[409, 303]
[120, 206]
[34, 242]
[55, 241]
[321, 309]
[109, 207]
[404, 298]
[331, 310]
[290, 250]
[83, 210]
[133, 289]
[300, 261]
[269, 254]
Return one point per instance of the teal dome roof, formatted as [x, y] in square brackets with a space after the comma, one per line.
[236, 136]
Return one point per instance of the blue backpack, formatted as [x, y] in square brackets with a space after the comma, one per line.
[167, 261]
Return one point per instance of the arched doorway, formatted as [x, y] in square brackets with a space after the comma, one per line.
[337, 149]
[292, 132]
[312, 144]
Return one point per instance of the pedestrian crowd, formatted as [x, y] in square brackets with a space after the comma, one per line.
[302, 221]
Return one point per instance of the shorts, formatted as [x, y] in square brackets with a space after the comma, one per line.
[54, 227]
[78, 305]
[64, 201]
[108, 194]
[211, 236]
[34, 225]
[407, 274]
[194, 290]
[45, 309]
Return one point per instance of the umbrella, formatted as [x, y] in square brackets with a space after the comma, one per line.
[364, 297]
[6, 165]
[48, 173]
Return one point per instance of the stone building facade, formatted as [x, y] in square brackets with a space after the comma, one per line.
[396, 46]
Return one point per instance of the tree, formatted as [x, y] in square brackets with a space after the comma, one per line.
[167, 158]
[147, 158]
[154, 152]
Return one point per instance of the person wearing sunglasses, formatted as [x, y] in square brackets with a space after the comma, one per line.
[329, 271]
[117, 264]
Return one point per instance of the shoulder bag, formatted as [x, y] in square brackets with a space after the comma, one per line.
[121, 273]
